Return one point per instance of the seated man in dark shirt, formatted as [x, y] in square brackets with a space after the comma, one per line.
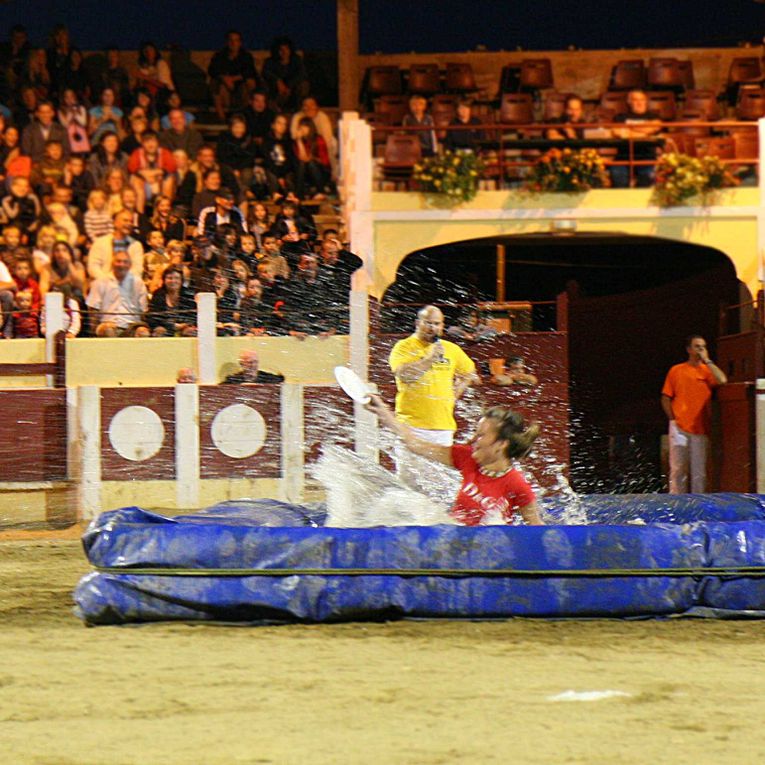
[463, 140]
[573, 113]
[232, 75]
[250, 371]
[640, 123]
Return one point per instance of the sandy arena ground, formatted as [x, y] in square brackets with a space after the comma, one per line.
[419, 693]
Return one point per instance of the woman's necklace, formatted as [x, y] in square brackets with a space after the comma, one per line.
[494, 473]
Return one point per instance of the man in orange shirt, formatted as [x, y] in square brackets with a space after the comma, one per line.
[686, 398]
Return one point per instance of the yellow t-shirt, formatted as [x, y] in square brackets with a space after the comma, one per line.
[428, 402]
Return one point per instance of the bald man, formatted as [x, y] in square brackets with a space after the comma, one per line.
[431, 374]
[250, 371]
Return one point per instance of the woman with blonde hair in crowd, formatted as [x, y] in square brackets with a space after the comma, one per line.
[65, 225]
[114, 184]
[164, 220]
[44, 242]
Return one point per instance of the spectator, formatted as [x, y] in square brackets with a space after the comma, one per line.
[43, 129]
[337, 265]
[138, 124]
[184, 180]
[22, 207]
[186, 375]
[463, 140]
[226, 239]
[63, 223]
[206, 261]
[248, 250]
[285, 75]
[7, 288]
[106, 117]
[155, 258]
[49, 172]
[114, 186]
[307, 308]
[224, 211]
[65, 272]
[79, 181]
[151, 168]
[250, 371]
[106, 158]
[254, 314]
[24, 114]
[573, 115]
[74, 77]
[172, 310]
[23, 278]
[115, 78]
[153, 73]
[136, 329]
[291, 227]
[237, 150]
[37, 74]
[279, 158]
[206, 160]
[272, 253]
[166, 221]
[63, 195]
[232, 75]
[10, 150]
[418, 117]
[180, 134]
[313, 170]
[25, 317]
[57, 56]
[74, 117]
[174, 102]
[176, 253]
[258, 222]
[227, 303]
[240, 273]
[46, 238]
[515, 373]
[309, 109]
[472, 327]
[140, 222]
[98, 222]
[14, 56]
[12, 236]
[259, 116]
[118, 297]
[107, 247]
[72, 315]
[641, 124]
[211, 187]
[145, 104]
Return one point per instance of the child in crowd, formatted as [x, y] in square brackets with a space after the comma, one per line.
[22, 276]
[156, 258]
[49, 171]
[247, 251]
[25, 317]
[79, 180]
[12, 236]
[22, 207]
[98, 222]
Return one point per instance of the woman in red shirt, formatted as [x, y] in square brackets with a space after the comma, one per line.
[492, 490]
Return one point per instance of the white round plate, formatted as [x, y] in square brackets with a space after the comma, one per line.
[352, 384]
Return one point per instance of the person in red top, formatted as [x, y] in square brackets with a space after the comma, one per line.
[493, 490]
[151, 169]
[685, 399]
[22, 276]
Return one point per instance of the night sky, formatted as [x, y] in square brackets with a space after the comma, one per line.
[398, 25]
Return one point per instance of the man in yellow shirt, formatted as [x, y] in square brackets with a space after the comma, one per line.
[431, 374]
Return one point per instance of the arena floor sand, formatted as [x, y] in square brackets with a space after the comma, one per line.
[417, 693]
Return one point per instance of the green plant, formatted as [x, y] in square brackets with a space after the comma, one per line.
[453, 175]
[568, 171]
[680, 177]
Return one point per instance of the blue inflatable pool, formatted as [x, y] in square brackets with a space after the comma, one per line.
[265, 561]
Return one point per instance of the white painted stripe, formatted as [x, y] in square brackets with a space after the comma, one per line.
[207, 364]
[89, 431]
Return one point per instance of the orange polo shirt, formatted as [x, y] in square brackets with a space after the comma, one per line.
[690, 388]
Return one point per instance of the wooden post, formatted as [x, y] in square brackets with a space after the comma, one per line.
[500, 273]
[348, 53]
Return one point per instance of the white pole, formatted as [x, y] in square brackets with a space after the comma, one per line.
[54, 323]
[293, 441]
[759, 409]
[207, 363]
[760, 208]
[187, 452]
[89, 428]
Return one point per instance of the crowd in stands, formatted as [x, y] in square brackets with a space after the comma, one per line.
[111, 195]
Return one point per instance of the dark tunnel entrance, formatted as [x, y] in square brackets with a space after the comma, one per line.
[632, 300]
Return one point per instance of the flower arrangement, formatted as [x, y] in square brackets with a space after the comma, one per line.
[454, 175]
[567, 170]
[680, 177]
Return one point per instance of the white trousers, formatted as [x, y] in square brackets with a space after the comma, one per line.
[687, 459]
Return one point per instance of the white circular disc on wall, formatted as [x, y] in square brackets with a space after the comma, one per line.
[239, 431]
[136, 433]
